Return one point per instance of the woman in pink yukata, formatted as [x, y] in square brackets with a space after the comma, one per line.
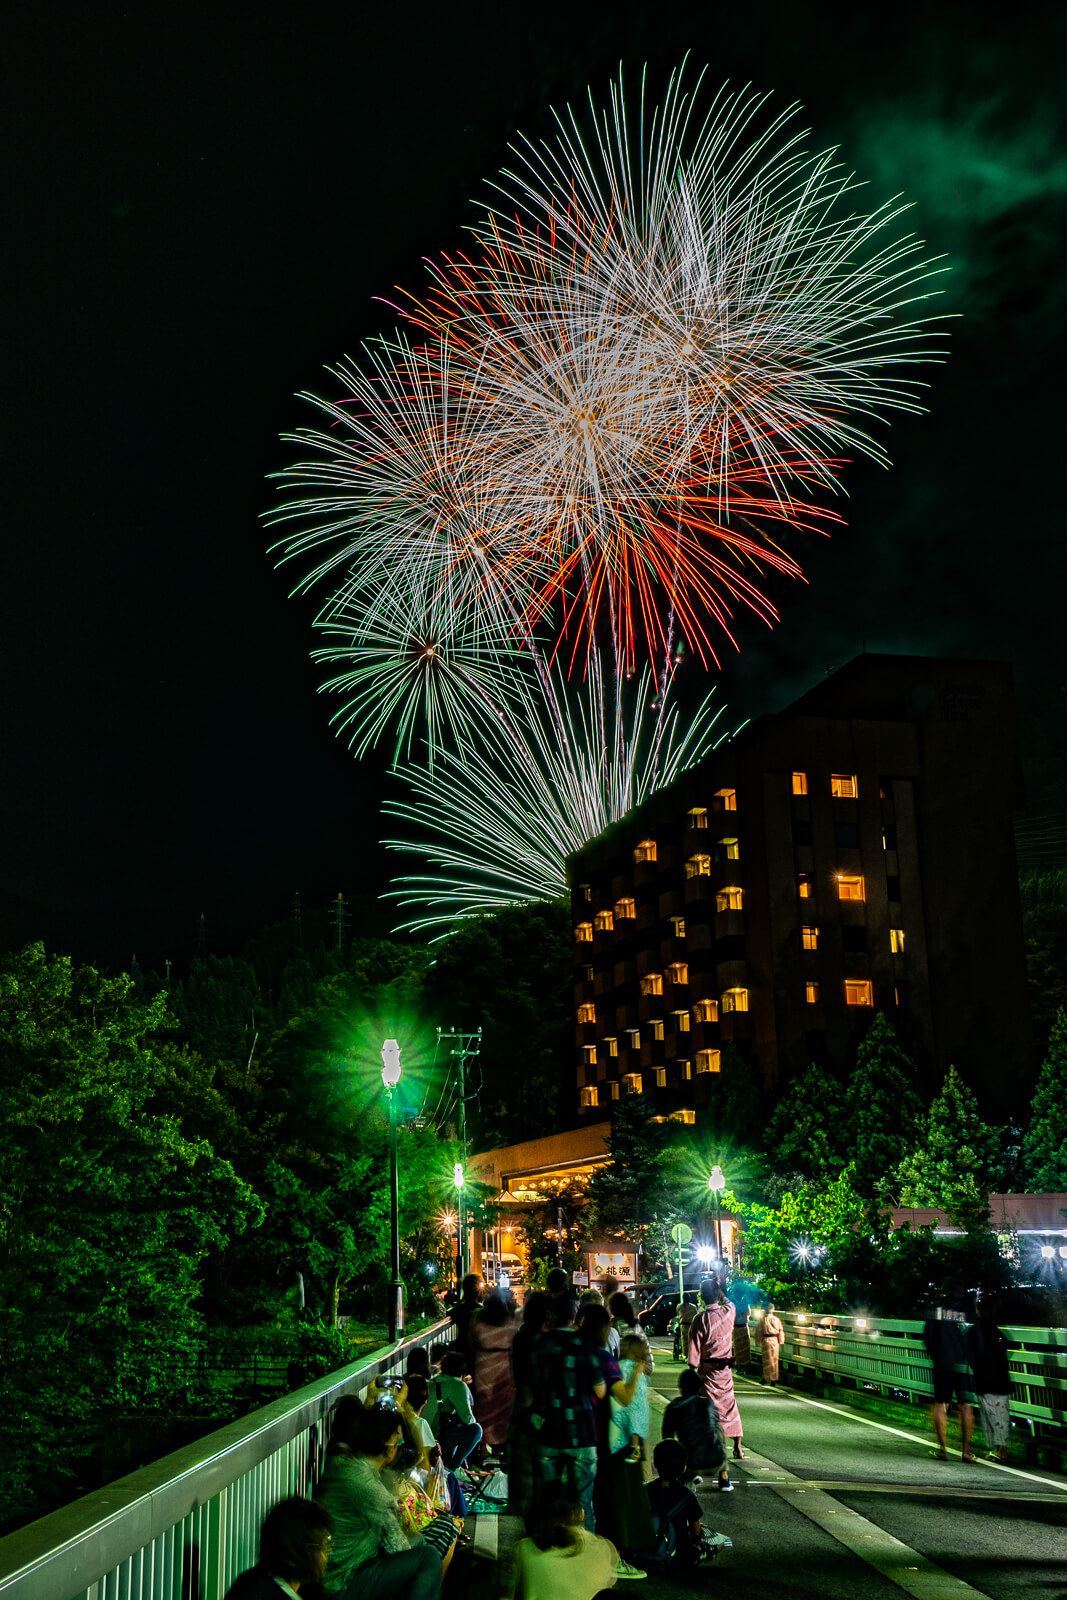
[711, 1338]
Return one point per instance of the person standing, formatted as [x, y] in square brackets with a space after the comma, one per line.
[772, 1336]
[492, 1333]
[945, 1339]
[988, 1351]
[711, 1353]
[567, 1384]
[471, 1291]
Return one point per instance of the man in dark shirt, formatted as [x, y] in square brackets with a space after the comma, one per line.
[567, 1382]
[945, 1339]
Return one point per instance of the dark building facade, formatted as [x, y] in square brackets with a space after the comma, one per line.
[851, 854]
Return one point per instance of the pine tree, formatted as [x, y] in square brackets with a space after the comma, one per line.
[806, 1132]
[952, 1164]
[735, 1109]
[1045, 1144]
[882, 1109]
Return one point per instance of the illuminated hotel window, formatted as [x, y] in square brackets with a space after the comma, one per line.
[587, 891]
[706, 1011]
[811, 993]
[843, 786]
[588, 971]
[613, 1046]
[584, 932]
[589, 1054]
[652, 983]
[656, 1028]
[896, 941]
[604, 922]
[634, 1036]
[709, 1060]
[661, 1077]
[625, 909]
[681, 1021]
[729, 899]
[889, 836]
[587, 1012]
[804, 885]
[614, 1091]
[687, 1070]
[632, 1082]
[727, 799]
[858, 992]
[809, 938]
[800, 783]
[678, 972]
[684, 1116]
[735, 1000]
[698, 867]
[698, 817]
[850, 887]
[678, 927]
[590, 1097]
[731, 849]
[645, 851]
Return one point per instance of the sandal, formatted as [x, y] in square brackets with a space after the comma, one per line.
[969, 1458]
[939, 1455]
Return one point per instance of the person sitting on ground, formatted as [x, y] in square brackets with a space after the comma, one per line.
[419, 1360]
[631, 1421]
[450, 1412]
[441, 1484]
[693, 1420]
[562, 1560]
[676, 1513]
[294, 1548]
[371, 1552]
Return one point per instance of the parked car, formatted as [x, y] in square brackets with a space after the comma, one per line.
[659, 1314]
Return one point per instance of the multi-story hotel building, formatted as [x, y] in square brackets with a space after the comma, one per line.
[852, 853]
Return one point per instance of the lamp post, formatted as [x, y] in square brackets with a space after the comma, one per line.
[717, 1183]
[391, 1077]
[457, 1179]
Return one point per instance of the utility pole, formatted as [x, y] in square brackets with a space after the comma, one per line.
[339, 917]
[463, 1046]
[298, 920]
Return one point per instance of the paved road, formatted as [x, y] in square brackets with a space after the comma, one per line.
[831, 1505]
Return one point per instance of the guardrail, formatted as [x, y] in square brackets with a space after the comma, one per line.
[185, 1526]
[887, 1357]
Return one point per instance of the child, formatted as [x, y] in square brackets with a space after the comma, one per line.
[630, 1424]
[694, 1422]
[676, 1513]
[562, 1558]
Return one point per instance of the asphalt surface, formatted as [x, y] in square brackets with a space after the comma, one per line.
[832, 1505]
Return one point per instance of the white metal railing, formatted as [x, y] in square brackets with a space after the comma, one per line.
[184, 1527]
[879, 1354]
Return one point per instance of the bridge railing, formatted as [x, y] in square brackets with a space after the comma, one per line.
[888, 1357]
[185, 1526]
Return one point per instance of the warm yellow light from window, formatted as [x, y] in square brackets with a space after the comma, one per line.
[661, 1077]
[896, 941]
[729, 899]
[587, 891]
[587, 1012]
[634, 1035]
[843, 786]
[614, 1091]
[809, 938]
[811, 993]
[656, 1028]
[632, 1082]
[698, 867]
[652, 983]
[706, 1011]
[590, 1097]
[681, 1021]
[687, 1070]
[698, 817]
[731, 849]
[858, 992]
[645, 851]
[800, 783]
[604, 921]
[735, 1000]
[804, 886]
[709, 1060]
[678, 972]
[678, 927]
[850, 887]
[684, 1116]
[589, 1054]
[584, 933]
[727, 799]
[613, 1046]
[625, 909]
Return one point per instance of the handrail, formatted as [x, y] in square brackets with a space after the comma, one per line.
[183, 1527]
[885, 1355]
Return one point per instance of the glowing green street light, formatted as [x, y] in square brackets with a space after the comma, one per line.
[390, 1078]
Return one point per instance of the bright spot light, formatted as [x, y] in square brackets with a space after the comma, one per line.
[705, 1255]
[801, 1316]
[860, 1324]
[1063, 1252]
[457, 1174]
[390, 1063]
[1047, 1252]
[716, 1181]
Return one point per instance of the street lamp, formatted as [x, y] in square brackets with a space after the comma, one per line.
[391, 1077]
[705, 1255]
[717, 1183]
[457, 1179]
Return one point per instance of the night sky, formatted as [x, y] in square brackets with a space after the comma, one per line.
[203, 203]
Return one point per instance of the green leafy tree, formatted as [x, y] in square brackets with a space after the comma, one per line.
[1045, 1142]
[953, 1162]
[807, 1131]
[793, 1249]
[882, 1109]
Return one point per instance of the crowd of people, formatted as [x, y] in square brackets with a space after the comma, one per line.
[546, 1409]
